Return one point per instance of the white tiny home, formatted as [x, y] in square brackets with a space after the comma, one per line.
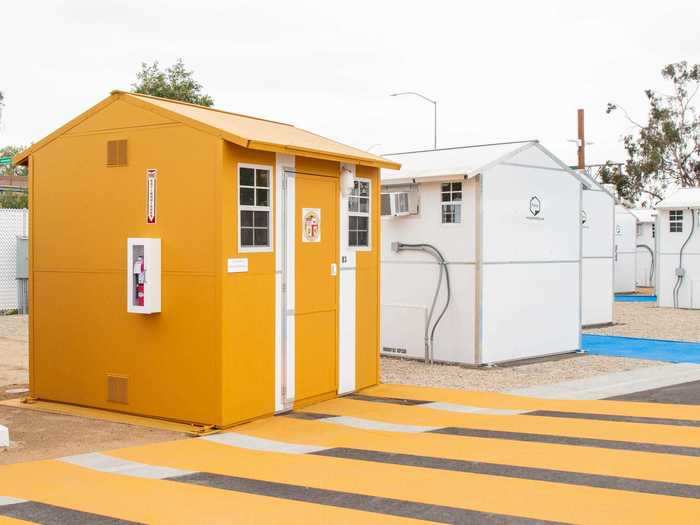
[598, 227]
[625, 250]
[506, 221]
[646, 245]
[678, 250]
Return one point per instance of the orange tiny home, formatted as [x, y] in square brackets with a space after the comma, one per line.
[198, 265]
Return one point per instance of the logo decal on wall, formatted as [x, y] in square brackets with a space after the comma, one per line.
[618, 230]
[311, 225]
[584, 217]
[535, 206]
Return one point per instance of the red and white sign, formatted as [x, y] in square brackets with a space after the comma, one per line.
[151, 175]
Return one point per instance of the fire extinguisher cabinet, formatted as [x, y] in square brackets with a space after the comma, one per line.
[143, 275]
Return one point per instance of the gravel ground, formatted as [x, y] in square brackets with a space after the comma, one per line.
[578, 366]
[651, 322]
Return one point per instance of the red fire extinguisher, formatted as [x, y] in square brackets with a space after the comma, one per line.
[140, 279]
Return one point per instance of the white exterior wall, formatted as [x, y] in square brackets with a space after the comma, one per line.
[531, 265]
[409, 279]
[598, 228]
[625, 250]
[644, 258]
[668, 250]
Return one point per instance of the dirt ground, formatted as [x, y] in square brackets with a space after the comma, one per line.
[649, 321]
[13, 350]
[38, 435]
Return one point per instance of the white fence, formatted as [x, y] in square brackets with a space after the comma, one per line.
[13, 223]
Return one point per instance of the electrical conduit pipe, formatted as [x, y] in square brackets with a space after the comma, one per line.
[429, 336]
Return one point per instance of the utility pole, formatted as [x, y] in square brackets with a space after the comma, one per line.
[581, 142]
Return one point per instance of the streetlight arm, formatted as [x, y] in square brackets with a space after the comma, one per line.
[416, 94]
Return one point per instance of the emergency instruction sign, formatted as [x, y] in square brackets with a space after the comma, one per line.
[151, 176]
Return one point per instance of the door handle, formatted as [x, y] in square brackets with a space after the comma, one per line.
[334, 269]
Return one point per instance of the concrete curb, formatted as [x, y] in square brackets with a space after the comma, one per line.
[615, 384]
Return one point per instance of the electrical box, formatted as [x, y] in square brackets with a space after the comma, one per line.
[143, 275]
[22, 258]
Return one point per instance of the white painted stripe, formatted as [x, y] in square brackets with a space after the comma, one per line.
[369, 424]
[113, 465]
[7, 500]
[235, 439]
[616, 384]
[466, 409]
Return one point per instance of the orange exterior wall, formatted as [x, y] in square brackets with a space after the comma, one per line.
[248, 304]
[81, 215]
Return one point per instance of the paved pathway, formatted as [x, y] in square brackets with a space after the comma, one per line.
[393, 454]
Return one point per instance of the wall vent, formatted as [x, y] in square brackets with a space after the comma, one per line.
[117, 389]
[116, 153]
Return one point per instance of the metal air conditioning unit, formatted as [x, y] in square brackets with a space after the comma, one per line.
[399, 203]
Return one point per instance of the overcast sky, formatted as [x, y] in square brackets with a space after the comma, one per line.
[500, 70]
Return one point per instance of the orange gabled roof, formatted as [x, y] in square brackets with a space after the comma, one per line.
[246, 131]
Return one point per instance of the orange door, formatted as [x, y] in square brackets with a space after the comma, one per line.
[316, 304]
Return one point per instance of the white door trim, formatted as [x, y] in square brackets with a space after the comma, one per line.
[284, 284]
[346, 300]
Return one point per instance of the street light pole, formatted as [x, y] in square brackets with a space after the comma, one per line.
[433, 102]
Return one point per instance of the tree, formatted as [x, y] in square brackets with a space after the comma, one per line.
[176, 83]
[12, 199]
[666, 150]
[11, 151]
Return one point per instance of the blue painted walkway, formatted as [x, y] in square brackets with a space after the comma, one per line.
[654, 349]
[622, 298]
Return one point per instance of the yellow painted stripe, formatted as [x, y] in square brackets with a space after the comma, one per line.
[160, 501]
[631, 464]
[500, 400]
[517, 497]
[417, 415]
[12, 521]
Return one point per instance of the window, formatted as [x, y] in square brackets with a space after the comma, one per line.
[359, 217]
[254, 205]
[386, 204]
[451, 197]
[676, 221]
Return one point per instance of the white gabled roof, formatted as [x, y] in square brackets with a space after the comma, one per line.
[644, 214]
[460, 162]
[683, 198]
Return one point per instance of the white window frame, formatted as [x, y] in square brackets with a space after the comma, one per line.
[453, 203]
[361, 214]
[268, 209]
[675, 221]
